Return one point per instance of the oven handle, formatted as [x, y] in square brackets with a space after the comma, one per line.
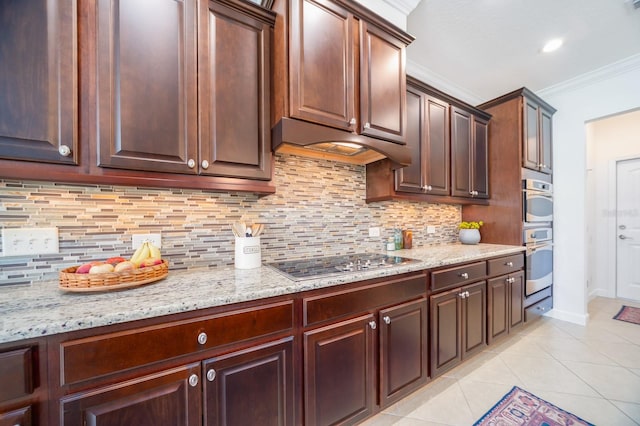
[533, 247]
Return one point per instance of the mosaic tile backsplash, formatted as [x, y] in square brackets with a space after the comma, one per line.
[319, 209]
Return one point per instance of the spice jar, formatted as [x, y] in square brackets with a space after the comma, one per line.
[391, 244]
[397, 237]
[407, 239]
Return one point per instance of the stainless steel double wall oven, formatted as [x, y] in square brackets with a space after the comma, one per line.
[537, 202]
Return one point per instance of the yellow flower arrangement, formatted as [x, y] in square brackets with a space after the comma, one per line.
[471, 225]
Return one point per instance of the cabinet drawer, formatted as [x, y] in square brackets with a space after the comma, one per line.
[534, 312]
[505, 265]
[16, 374]
[339, 304]
[97, 356]
[459, 275]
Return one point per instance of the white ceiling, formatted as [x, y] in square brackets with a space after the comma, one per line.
[480, 49]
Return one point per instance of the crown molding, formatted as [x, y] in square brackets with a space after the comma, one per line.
[632, 63]
[425, 75]
[404, 6]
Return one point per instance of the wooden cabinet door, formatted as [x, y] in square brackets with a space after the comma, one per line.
[38, 81]
[383, 84]
[411, 178]
[480, 158]
[545, 141]
[169, 398]
[146, 85]
[474, 318]
[446, 329]
[530, 151]
[234, 91]
[403, 350]
[339, 372]
[321, 64]
[460, 153]
[516, 309]
[498, 301]
[437, 146]
[251, 387]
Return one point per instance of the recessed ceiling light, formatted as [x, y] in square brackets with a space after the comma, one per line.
[552, 45]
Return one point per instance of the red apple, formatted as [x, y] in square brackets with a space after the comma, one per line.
[115, 260]
[84, 269]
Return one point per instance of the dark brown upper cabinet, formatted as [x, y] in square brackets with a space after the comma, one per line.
[469, 155]
[342, 66]
[38, 81]
[537, 136]
[449, 152]
[234, 91]
[146, 85]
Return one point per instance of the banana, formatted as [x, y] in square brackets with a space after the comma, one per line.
[136, 254]
[143, 254]
[154, 251]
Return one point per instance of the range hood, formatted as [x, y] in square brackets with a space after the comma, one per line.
[314, 140]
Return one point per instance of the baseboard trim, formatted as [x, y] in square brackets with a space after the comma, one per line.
[568, 316]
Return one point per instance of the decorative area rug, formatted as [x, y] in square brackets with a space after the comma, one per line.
[519, 407]
[628, 314]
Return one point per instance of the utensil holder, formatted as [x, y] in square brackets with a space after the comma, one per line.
[248, 253]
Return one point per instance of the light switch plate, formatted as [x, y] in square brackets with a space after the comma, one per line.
[138, 239]
[29, 241]
[431, 229]
[374, 232]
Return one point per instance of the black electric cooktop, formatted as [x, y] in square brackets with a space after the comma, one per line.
[317, 267]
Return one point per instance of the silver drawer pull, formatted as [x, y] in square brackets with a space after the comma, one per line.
[464, 276]
[202, 338]
[211, 375]
[193, 380]
[509, 264]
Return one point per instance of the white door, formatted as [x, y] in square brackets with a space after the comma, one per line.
[628, 229]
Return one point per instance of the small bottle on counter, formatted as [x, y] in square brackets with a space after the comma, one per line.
[407, 239]
[391, 244]
[397, 237]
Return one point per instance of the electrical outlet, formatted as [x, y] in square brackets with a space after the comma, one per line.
[374, 232]
[138, 239]
[431, 229]
[29, 241]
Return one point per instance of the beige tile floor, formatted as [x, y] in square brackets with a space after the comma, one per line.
[592, 371]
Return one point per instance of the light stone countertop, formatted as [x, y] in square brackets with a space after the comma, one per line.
[43, 309]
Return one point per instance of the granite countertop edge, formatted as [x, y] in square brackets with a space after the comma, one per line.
[43, 309]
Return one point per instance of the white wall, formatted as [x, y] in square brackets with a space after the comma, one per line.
[610, 139]
[603, 93]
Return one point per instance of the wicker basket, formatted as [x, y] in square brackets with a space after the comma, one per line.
[70, 281]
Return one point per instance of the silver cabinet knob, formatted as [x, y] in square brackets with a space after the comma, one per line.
[202, 338]
[64, 150]
[352, 121]
[466, 293]
[462, 295]
[193, 380]
[205, 164]
[191, 163]
[367, 125]
[386, 319]
[372, 324]
[464, 276]
[509, 264]
[211, 375]
[624, 237]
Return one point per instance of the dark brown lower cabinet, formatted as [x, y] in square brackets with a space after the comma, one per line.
[505, 307]
[404, 357]
[458, 326]
[250, 387]
[21, 416]
[339, 372]
[168, 398]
